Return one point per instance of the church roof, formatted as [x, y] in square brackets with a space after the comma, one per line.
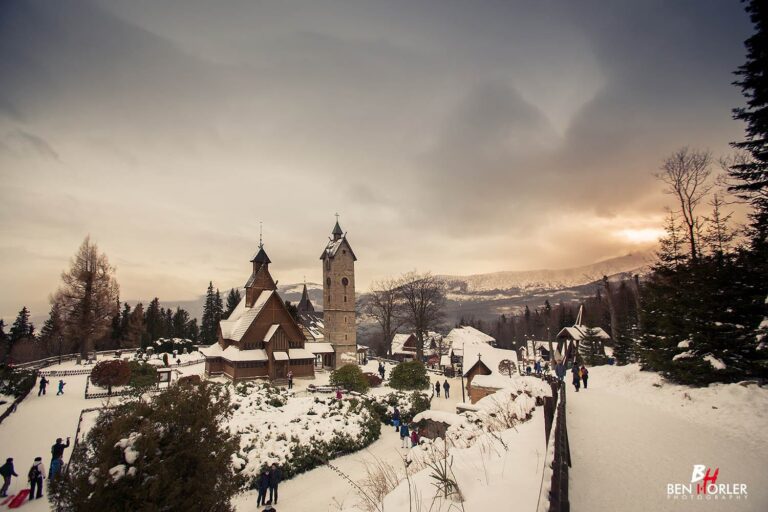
[333, 247]
[305, 304]
[489, 356]
[242, 317]
[337, 229]
[261, 256]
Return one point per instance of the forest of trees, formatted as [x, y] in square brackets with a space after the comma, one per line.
[86, 314]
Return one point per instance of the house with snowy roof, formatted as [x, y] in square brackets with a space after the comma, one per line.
[486, 368]
[404, 345]
[568, 338]
[260, 339]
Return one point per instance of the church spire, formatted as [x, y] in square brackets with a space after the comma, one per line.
[337, 232]
[261, 255]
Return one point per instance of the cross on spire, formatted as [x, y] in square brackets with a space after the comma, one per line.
[261, 242]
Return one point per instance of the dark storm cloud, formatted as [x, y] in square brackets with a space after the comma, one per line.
[483, 133]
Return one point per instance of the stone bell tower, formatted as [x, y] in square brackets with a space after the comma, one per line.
[339, 297]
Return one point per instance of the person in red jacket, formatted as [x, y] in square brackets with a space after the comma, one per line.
[584, 375]
[414, 438]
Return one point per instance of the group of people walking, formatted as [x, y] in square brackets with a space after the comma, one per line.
[44, 385]
[36, 473]
[446, 388]
[409, 436]
[269, 480]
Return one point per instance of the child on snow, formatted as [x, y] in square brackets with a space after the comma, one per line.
[61, 388]
[414, 438]
[584, 375]
[405, 436]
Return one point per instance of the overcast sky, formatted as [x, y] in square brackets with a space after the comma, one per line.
[453, 136]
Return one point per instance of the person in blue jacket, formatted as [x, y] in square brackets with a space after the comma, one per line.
[405, 436]
[396, 419]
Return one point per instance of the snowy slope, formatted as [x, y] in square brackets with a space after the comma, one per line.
[630, 438]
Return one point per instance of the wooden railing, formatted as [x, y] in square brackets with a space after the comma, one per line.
[554, 497]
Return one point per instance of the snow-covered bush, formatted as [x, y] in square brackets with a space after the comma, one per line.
[409, 405]
[14, 382]
[141, 452]
[350, 377]
[409, 375]
[297, 433]
[168, 345]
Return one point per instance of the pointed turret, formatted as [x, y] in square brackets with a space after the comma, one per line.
[305, 304]
[260, 279]
[337, 232]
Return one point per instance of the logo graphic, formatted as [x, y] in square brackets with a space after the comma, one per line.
[704, 486]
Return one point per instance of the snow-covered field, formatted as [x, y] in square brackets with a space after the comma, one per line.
[631, 434]
[38, 421]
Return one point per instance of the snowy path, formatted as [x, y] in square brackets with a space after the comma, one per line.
[626, 452]
[33, 428]
[322, 489]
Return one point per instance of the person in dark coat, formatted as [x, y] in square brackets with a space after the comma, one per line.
[396, 419]
[61, 387]
[560, 371]
[275, 476]
[7, 471]
[446, 388]
[35, 477]
[576, 377]
[43, 383]
[437, 389]
[381, 370]
[263, 487]
[584, 375]
[57, 457]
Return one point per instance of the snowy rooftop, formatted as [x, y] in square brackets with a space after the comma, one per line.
[466, 335]
[241, 318]
[488, 355]
[233, 354]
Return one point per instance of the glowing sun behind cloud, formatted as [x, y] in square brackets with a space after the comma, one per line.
[641, 236]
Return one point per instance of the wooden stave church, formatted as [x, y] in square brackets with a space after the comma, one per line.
[260, 339]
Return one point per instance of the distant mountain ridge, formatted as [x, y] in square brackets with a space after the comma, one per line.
[549, 279]
[483, 295]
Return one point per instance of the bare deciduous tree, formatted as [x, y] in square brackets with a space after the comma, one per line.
[384, 304]
[423, 298]
[687, 176]
[88, 296]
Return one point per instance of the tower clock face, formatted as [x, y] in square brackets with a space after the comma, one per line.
[344, 281]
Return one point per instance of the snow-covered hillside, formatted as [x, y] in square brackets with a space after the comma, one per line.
[549, 279]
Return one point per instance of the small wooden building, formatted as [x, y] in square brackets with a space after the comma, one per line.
[260, 339]
[483, 359]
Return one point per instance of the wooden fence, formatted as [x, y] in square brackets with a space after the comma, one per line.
[554, 497]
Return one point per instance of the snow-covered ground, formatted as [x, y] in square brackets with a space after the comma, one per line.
[38, 421]
[631, 434]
